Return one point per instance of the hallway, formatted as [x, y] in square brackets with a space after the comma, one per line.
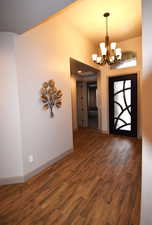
[98, 184]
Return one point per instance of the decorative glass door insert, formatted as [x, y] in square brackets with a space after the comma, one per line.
[123, 105]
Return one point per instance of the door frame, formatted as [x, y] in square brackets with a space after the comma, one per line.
[132, 76]
[92, 82]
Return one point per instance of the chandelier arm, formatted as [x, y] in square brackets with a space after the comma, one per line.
[117, 59]
[108, 61]
[103, 63]
[102, 60]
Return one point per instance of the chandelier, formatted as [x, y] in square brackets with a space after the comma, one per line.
[109, 53]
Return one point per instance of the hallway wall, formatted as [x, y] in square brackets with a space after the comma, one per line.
[146, 218]
[43, 53]
[74, 102]
[10, 133]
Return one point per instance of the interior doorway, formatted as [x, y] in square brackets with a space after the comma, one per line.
[85, 85]
[92, 104]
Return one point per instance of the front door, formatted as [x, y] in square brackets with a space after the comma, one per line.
[123, 105]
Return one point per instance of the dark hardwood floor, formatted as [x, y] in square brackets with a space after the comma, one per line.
[98, 184]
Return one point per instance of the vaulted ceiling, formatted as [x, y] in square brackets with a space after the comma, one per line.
[124, 22]
[85, 15]
[20, 15]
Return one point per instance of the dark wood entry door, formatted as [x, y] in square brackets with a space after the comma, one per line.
[123, 105]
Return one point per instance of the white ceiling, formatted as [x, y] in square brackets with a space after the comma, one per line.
[20, 15]
[87, 17]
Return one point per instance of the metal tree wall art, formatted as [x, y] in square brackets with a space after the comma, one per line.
[50, 96]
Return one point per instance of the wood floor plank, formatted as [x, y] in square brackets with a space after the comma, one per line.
[98, 184]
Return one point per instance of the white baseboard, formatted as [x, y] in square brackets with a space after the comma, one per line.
[11, 180]
[44, 166]
[105, 132]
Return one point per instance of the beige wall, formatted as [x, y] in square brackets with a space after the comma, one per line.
[10, 134]
[74, 102]
[43, 53]
[133, 44]
[146, 217]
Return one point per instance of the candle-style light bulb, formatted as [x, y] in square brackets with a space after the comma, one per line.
[99, 59]
[94, 57]
[113, 46]
[104, 51]
[102, 45]
[118, 51]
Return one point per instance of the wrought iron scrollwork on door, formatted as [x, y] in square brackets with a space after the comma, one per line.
[122, 105]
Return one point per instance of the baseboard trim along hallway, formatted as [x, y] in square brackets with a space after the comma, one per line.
[22, 179]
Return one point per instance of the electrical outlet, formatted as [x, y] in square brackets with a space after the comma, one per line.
[30, 158]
